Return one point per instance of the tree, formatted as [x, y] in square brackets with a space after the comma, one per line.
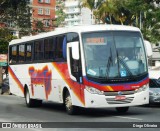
[39, 27]
[18, 13]
[147, 18]
[60, 14]
[140, 13]
[106, 11]
[5, 38]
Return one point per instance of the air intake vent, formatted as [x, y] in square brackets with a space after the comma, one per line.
[115, 93]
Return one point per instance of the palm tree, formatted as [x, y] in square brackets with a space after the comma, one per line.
[105, 11]
[110, 12]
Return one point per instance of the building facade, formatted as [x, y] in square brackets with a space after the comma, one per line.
[73, 12]
[43, 11]
[76, 14]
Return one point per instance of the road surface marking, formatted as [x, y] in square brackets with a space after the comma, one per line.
[129, 118]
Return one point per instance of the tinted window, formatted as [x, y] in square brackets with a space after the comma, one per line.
[28, 52]
[13, 58]
[38, 50]
[72, 37]
[154, 83]
[21, 53]
[49, 46]
[60, 48]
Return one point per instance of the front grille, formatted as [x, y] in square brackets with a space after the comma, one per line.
[113, 101]
[114, 93]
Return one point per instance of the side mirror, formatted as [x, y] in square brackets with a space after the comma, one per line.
[75, 50]
[148, 48]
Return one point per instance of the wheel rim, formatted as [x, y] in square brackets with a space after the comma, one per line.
[68, 103]
[27, 97]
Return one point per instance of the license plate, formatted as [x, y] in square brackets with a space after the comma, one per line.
[120, 97]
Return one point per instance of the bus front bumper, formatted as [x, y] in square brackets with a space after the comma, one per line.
[102, 101]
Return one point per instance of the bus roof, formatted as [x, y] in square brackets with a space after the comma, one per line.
[78, 29]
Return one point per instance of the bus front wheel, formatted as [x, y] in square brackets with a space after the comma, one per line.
[31, 102]
[122, 109]
[70, 109]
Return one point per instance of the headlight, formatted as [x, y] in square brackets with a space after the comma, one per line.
[93, 90]
[143, 88]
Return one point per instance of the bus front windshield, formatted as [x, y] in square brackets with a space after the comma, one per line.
[114, 55]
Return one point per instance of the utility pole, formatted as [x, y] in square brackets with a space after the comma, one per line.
[140, 24]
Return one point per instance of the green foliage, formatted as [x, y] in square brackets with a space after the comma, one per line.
[60, 14]
[61, 17]
[88, 3]
[3, 46]
[16, 12]
[39, 27]
[5, 38]
[140, 13]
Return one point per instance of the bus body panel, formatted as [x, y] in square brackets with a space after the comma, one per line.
[35, 76]
[59, 81]
[47, 81]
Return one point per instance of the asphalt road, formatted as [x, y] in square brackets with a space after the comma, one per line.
[13, 109]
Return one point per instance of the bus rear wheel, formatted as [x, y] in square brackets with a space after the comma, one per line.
[31, 102]
[70, 109]
[122, 109]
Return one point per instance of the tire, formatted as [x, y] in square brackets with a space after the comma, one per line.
[70, 109]
[122, 109]
[31, 102]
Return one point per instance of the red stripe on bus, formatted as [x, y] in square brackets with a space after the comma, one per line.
[78, 89]
[16, 79]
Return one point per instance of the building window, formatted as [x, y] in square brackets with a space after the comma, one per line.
[40, 1]
[47, 1]
[28, 1]
[46, 23]
[40, 11]
[47, 11]
[11, 24]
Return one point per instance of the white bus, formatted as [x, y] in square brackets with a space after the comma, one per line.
[81, 67]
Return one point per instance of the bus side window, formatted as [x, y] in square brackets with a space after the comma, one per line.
[28, 52]
[13, 54]
[49, 47]
[21, 53]
[59, 48]
[38, 50]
